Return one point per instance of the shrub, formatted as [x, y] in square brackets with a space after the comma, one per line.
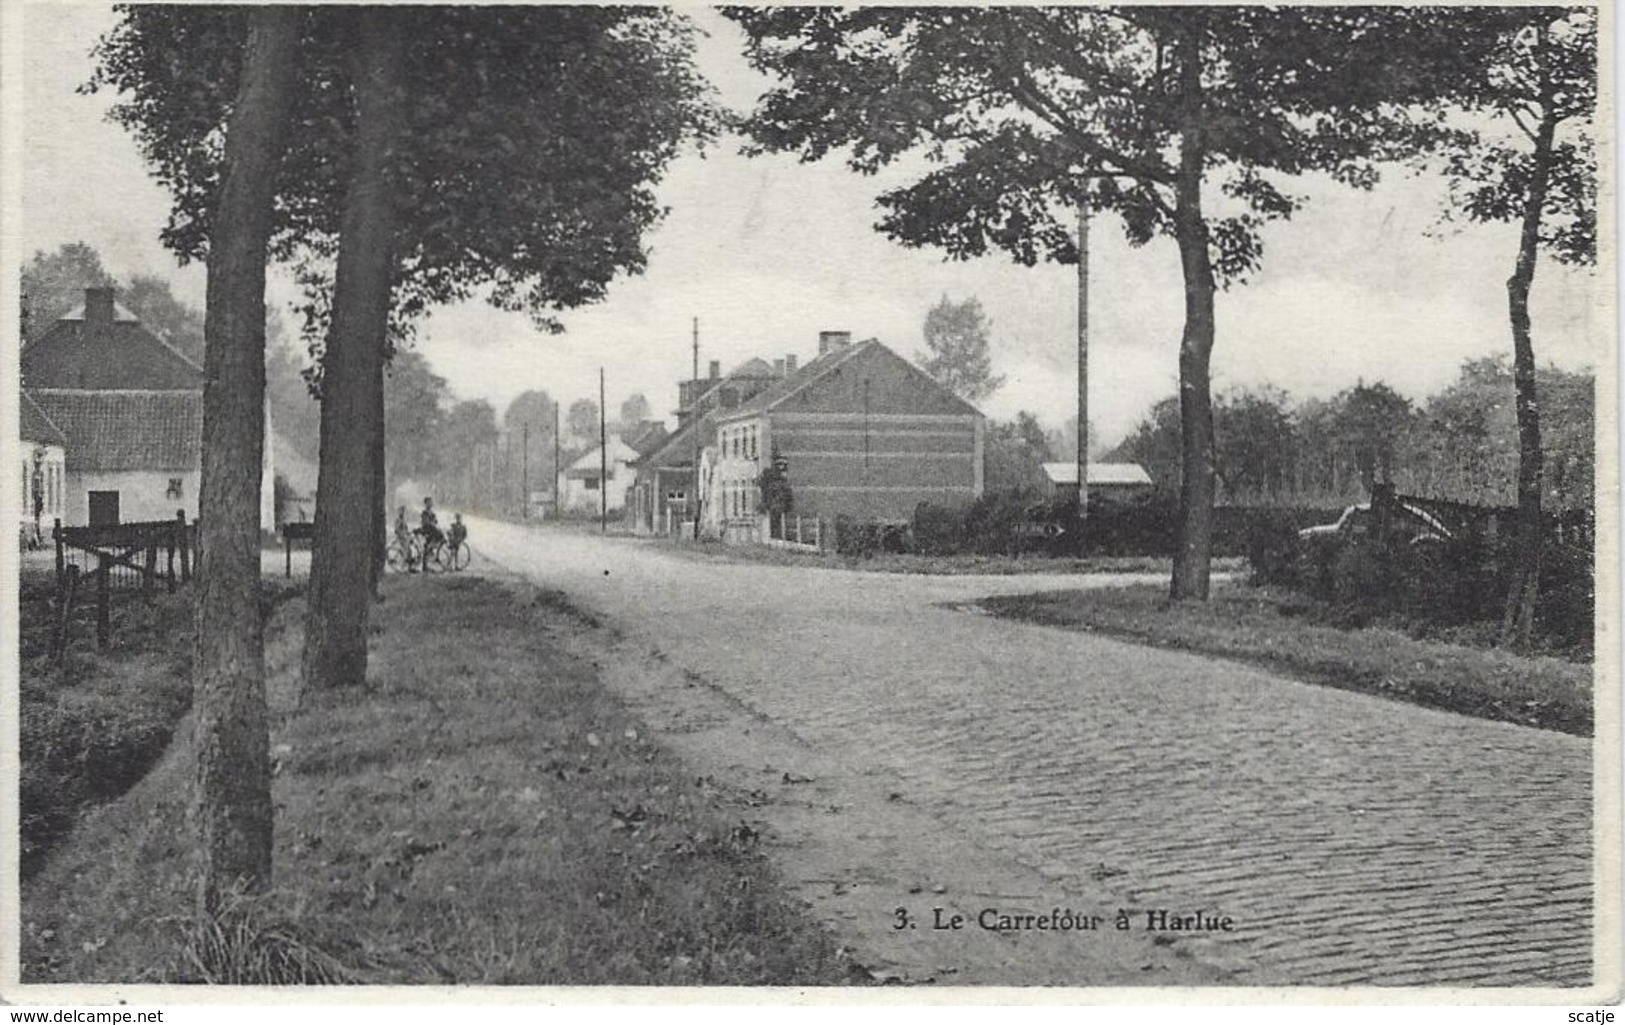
[1565, 603]
[1274, 551]
[938, 530]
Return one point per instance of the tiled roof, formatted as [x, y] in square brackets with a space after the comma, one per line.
[1099, 473]
[117, 354]
[35, 426]
[127, 430]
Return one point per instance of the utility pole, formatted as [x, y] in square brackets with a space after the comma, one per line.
[524, 475]
[694, 421]
[1083, 363]
[603, 460]
[558, 510]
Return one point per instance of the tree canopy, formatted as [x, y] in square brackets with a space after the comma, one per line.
[510, 189]
[957, 351]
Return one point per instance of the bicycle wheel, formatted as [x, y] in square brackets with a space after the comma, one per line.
[437, 558]
[395, 557]
[459, 556]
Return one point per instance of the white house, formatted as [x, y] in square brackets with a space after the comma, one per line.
[129, 409]
[44, 474]
[582, 488]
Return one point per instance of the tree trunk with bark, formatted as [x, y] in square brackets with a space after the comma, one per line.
[380, 522]
[232, 797]
[1194, 545]
[351, 427]
[1518, 620]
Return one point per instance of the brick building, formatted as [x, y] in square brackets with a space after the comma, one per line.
[864, 433]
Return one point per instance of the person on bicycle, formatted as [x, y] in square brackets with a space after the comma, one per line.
[429, 527]
[403, 539]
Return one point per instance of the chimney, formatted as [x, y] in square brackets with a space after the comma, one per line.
[98, 306]
[790, 363]
[716, 369]
[833, 341]
[778, 368]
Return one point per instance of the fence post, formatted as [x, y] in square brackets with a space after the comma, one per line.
[149, 572]
[64, 612]
[103, 600]
[185, 545]
[287, 553]
[56, 535]
[169, 564]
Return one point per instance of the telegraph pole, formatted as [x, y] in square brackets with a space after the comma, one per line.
[524, 475]
[1083, 362]
[558, 510]
[694, 421]
[603, 460]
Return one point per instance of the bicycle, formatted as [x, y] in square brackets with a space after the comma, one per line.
[447, 557]
[452, 556]
[403, 554]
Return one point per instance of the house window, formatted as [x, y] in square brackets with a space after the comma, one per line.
[174, 489]
[590, 483]
[753, 443]
[676, 496]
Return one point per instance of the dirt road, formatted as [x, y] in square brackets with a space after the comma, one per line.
[910, 755]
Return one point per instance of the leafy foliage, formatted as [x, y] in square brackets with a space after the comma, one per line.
[1018, 108]
[956, 349]
[511, 186]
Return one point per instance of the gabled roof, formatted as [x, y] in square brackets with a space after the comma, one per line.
[127, 430]
[588, 464]
[804, 375]
[116, 354]
[34, 426]
[812, 372]
[1099, 473]
[677, 449]
[648, 435]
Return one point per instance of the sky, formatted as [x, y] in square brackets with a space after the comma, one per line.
[767, 251]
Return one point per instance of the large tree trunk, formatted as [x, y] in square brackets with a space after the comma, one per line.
[1518, 621]
[380, 523]
[1194, 545]
[232, 810]
[346, 491]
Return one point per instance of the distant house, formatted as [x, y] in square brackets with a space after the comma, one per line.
[44, 473]
[1108, 482]
[663, 491]
[583, 488]
[129, 409]
[863, 432]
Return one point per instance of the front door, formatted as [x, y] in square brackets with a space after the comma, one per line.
[104, 509]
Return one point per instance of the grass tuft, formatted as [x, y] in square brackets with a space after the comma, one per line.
[245, 943]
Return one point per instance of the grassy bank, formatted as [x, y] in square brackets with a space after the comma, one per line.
[486, 813]
[1270, 628]
[91, 726]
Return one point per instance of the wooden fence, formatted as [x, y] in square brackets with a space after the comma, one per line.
[128, 557]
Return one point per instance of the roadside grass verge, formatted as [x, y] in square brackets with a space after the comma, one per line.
[1267, 627]
[485, 813]
[933, 565]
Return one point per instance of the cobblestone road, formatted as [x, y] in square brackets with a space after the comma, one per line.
[1351, 839]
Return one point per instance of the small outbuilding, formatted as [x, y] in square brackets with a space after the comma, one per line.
[1108, 482]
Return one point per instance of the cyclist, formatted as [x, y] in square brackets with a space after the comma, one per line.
[403, 539]
[429, 527]
[458, 533]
